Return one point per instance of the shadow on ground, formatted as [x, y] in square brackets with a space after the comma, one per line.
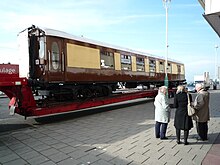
[10, 127]
[76, 114]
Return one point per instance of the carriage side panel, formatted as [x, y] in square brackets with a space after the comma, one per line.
[117, 61]
[82, 57]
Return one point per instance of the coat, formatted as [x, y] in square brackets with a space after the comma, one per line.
[162, 109]
[201, 105]
[181, 120]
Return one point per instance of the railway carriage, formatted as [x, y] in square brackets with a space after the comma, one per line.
[67, 67]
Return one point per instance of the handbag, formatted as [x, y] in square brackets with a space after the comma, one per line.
[191, 111]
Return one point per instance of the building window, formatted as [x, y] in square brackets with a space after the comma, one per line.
[107, 59]
[140, 64]
[55, 55]
[125, 62]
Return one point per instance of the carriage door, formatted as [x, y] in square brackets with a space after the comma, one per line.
[56, 70]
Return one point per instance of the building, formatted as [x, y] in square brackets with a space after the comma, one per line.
[212, 13]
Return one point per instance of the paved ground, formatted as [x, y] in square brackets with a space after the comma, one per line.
[120, 137]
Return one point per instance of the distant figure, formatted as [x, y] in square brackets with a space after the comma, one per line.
[182, 121]
[162, 113]
[202, 116]
[214, 85]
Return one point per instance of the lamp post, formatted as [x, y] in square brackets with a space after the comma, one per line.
[166, 4]
[216, 62]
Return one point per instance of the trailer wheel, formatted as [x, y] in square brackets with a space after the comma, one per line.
[84, 93]
[106, 90]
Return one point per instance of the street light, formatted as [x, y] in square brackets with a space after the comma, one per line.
[216, 64]
[166, 4]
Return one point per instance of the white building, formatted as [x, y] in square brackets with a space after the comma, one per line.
[212, 13]
[212, 16]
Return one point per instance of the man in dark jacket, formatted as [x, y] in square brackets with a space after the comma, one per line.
[201, 105]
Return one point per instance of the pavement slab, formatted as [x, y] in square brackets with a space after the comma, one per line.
[117, 137]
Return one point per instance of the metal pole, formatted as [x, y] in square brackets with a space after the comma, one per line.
[166, 5]
[166, 63]
[216, 64]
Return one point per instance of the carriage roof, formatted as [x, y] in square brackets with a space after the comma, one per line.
[57, 33]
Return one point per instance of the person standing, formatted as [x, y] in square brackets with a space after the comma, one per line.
[202, 116]
[162, 113]
[182, 121]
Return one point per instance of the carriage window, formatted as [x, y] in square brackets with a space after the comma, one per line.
[169, 68]
[125, 62]
[152, 64]
[152, 67]
[178, 68]
[140, 64]
[161, 67]
[107, 59]
[42, 47]
[55, 55]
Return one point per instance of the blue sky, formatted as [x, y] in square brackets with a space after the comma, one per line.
[134, 24]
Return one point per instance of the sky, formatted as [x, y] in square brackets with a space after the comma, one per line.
[135, 24]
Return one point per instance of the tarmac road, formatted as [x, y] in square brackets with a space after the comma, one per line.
[4, 112]
[13, 122]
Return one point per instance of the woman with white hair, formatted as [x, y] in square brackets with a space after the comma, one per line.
[162, 113]
[182, 121]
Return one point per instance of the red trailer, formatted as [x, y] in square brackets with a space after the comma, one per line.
[23, 102]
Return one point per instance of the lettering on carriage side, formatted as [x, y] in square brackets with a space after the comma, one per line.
[7, 70]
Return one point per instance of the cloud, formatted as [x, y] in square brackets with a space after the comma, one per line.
[67, 16]
[70, 15]
[187, 5]
[198, 67]
[199, 63]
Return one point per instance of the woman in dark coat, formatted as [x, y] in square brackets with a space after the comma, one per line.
[182, 121]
